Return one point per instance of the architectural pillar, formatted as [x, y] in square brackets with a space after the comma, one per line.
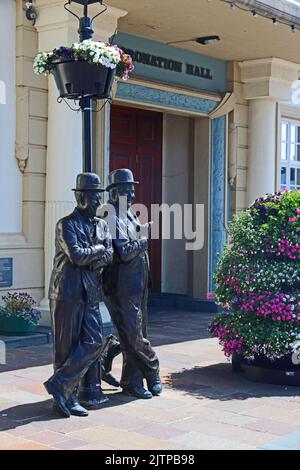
[261, 177]
[64, 155]
[265, 83]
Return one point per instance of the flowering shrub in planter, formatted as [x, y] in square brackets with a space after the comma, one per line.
[258, 280]
[93, 52]
[18, 314]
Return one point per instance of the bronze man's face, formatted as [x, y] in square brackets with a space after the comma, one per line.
[124, 190]
[90, 201]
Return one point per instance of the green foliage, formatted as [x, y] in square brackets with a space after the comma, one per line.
[258, 279]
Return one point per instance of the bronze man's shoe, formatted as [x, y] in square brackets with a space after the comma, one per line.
[75, 407]
[92, 397]
[58, 398]
[138, 391]
[155, 386]
[110, 380]
[78, 410]
[95, 403]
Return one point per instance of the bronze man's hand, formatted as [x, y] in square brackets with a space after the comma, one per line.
[143, 244]
[145, 229]
[105, 259]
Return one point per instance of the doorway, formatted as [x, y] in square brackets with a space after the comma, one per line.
[136, 143]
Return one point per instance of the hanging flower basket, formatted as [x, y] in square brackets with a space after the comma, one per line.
[258, 286]
[76, 79]
[85, 69]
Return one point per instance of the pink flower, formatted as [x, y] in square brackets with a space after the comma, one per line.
[210, 296]
[298, 210]
[293, 219]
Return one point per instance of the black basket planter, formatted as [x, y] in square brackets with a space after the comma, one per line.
[261, 369]
[78, 79]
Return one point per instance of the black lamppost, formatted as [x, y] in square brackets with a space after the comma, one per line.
[87, 96]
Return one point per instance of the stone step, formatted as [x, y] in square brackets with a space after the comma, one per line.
[41, 336]
[165, 301]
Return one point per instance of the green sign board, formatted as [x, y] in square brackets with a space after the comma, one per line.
[172, 65]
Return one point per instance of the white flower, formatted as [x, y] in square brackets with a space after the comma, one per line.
[94, 52]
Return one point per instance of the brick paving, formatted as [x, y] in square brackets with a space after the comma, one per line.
[204, 404]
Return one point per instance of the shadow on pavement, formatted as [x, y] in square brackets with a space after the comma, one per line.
[25, 358]
[165, 327]
[218, 382]
[23, 414]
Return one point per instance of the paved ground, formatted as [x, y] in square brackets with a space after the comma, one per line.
[204, 404]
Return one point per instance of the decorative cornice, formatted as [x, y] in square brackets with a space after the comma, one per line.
[164, 99]
[176, 89]
[225, 106]
[22, 154]
[268, 78]
[270, 60]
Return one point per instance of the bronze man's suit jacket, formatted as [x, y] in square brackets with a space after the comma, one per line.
[128, 275]
[81, 251]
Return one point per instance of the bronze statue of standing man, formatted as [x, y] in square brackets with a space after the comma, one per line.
[82, 249]
[126, 287]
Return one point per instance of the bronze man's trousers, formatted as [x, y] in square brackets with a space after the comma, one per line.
[129, 315]
[77, 342]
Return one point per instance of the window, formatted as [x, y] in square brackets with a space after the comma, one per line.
[290, 155]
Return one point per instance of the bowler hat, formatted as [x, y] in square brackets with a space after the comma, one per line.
[88, 182]
[120, 176]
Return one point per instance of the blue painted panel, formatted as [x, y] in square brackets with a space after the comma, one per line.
[141, 94]
[107, 159]
[160, 72]
[217, 196]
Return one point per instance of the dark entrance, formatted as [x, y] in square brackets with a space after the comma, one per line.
[136, 143]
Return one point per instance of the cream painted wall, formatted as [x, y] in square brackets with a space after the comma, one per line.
[10, 176]
[28, 157]
[200, 168]
[177, 151]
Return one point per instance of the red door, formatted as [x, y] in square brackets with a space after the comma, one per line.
[136, 143]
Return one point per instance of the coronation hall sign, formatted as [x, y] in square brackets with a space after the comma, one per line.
[168, 64]
[172, 65]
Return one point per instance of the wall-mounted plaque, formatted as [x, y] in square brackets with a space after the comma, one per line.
[6, 272]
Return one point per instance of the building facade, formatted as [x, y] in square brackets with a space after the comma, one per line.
[215, 126]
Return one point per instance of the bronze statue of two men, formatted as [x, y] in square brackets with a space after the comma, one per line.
[97, 261]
